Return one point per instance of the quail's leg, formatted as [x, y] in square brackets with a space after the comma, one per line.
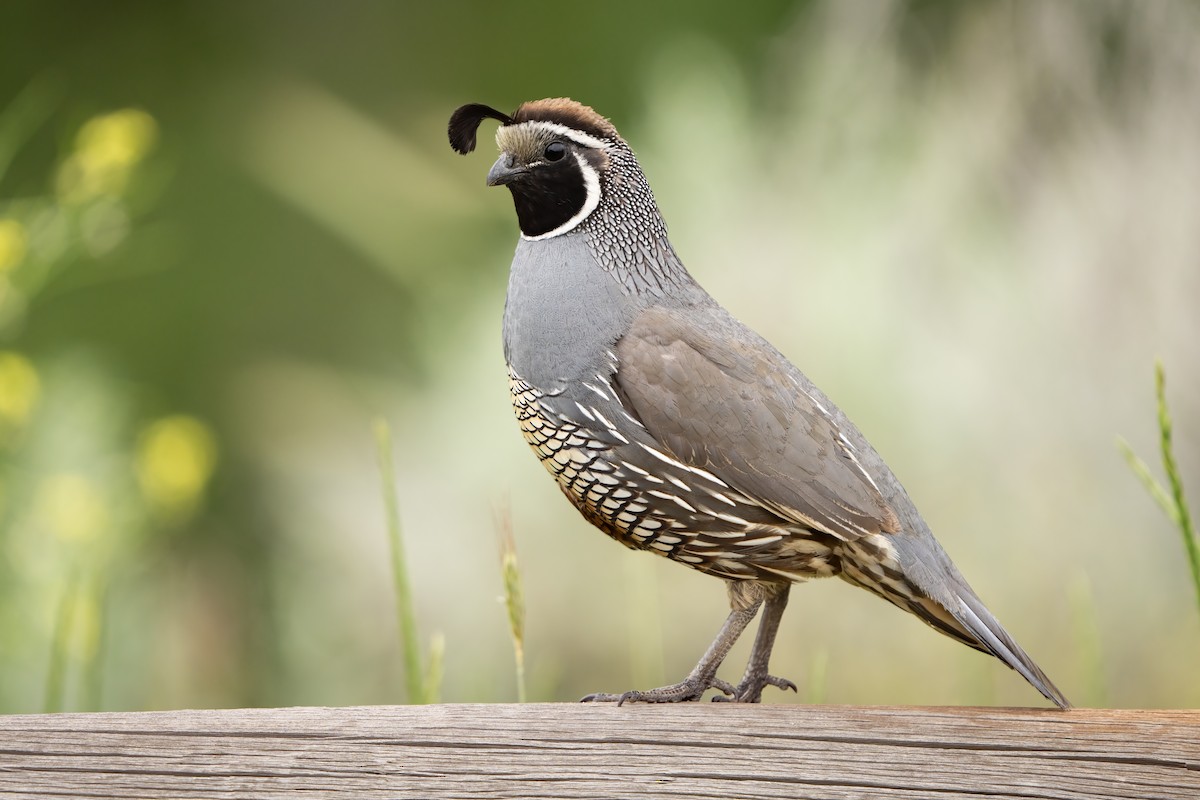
[703, 677]
[756, 676]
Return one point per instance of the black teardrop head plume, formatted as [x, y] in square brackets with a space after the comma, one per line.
[465, 122]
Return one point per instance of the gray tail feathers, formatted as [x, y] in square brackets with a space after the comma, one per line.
[971, 614]
[929, 585]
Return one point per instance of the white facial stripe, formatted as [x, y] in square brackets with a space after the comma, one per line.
[579, 137]
[591, 182]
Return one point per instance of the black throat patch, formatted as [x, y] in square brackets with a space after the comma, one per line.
[549, 196]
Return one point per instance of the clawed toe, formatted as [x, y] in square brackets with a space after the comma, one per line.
[601, 697]
[782, 683]
[750, 689]
[682, 692]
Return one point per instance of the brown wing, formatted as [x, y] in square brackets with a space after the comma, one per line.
[732, 405]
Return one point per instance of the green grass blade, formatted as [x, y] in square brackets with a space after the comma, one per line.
[1182, 518]
[1087, 641]
[816, 687]
[64, 628]
[1173, 503]
[23, 115]
[1152, 486]
[643, 613]
[405, 617]
[93, 665]
[514, 595]
[433, 675]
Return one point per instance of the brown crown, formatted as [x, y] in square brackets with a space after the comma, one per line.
[566, 111]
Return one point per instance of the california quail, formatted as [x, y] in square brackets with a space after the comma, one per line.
[674, 428]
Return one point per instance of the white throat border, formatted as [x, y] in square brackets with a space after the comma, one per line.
[591, 183]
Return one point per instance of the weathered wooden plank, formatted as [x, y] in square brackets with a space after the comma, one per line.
[599, 751]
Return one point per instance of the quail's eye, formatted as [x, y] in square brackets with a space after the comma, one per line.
[555, 151]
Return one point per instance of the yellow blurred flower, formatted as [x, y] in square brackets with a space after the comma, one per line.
[175, 459]
[106, 150]
[19, 388]
[13, 240]
[72, 507]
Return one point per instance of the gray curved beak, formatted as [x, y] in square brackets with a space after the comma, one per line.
[504, 171]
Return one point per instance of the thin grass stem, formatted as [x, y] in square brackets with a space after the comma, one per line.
[643, 613]
[64, 628]
[1173, 503]
[1087, 641]
[436, 670]
[405, 617]
[1142, 472]
[1182, 517]
[514, 595]
[816, 687]
[93, 665]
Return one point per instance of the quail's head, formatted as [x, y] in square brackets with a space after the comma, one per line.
[553, 156]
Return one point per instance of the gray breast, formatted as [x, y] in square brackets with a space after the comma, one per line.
[562, 313]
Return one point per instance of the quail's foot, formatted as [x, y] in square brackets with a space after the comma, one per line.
[750, 689]
[689, 689]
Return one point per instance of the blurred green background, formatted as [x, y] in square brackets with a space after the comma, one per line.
[233, 234]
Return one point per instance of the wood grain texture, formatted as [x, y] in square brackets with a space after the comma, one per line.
[700, 750]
